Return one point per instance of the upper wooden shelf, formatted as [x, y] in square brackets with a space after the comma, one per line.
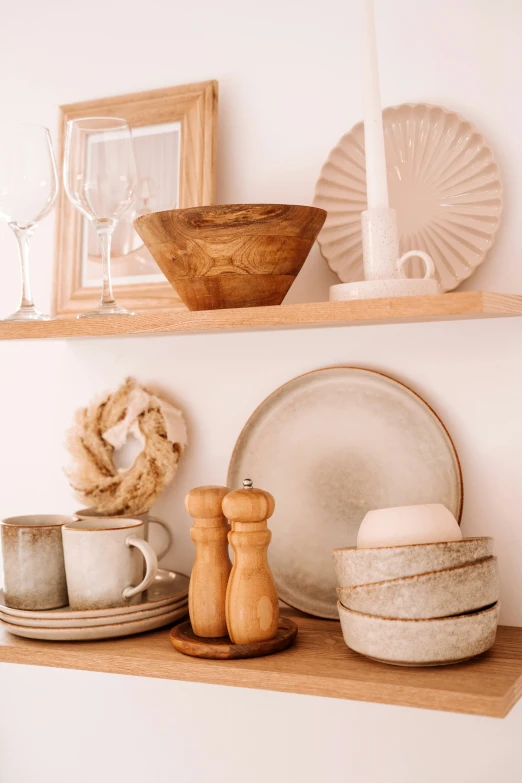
[319, 664]
[446, 307]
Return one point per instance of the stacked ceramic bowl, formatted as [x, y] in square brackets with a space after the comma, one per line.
[163, 603]
[419, 604]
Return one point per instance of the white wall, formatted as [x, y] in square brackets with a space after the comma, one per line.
[122, 729]
[289, 87]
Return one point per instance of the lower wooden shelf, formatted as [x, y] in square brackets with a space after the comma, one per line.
[319, 664]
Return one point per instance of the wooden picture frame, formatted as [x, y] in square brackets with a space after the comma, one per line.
[191, 112]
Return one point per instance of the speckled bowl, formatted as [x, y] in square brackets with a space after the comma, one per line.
[423, 596]
[420, 642]
[363, 566]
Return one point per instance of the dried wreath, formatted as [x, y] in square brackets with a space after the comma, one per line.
[103, 427]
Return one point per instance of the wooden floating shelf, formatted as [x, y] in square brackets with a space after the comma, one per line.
[319, 664]
[445, 307]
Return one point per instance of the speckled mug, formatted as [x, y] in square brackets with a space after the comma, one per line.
[104, 562]
[34, 570]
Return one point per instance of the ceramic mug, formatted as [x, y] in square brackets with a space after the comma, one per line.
[146, 518]
[104, 562]
[34, 571]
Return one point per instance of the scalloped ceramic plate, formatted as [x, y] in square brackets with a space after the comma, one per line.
[443, 181]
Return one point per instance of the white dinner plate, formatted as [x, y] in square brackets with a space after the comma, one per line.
[90, 633]
[330, 446]
[168, 587]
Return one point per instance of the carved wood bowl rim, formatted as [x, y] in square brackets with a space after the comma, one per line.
[260, 213]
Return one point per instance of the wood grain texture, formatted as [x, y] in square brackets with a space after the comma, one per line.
[212, 566]
[235, 255]
[412, 309]
[185, 640]
[195, 107]
[318, 664]
[248, 505]
[252, 606]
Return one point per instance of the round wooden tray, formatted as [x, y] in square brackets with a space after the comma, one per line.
[185, 640]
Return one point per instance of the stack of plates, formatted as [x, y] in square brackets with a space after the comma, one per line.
[164, 602]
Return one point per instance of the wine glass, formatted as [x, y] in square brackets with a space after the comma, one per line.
[28, 190]
[100, 179]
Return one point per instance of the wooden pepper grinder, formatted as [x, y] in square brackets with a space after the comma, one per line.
[252, 607]
[211, 570]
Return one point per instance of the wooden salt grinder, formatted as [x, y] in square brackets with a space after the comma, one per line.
[252, 605]
[209, 577]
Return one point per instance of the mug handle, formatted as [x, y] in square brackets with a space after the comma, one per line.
[151, 562]
[162, 552]
[428, 263]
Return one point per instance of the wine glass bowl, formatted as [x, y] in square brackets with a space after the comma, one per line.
[28, 191]
[100, 180]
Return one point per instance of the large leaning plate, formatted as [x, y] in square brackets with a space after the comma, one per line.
[331, 445]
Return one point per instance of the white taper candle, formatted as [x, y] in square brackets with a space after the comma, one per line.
[376, 180]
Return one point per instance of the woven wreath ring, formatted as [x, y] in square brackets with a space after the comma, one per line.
[102, 427]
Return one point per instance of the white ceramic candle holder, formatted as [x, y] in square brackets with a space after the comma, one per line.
[383, 269]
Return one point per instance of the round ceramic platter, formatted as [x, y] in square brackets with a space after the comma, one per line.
[443, 181]
[330, 446]
[101, 632]
[50, 622]
[168, 588]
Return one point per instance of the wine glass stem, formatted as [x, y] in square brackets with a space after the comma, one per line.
[23, 236]
[105, 237]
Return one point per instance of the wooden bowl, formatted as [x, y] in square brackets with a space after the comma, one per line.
[420, 642]
[362, 566]
[437, 594]
[239, 255]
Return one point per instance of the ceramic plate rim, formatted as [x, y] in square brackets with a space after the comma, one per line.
[90, 622]
[97, 633]
[408, 389]
[64, 613]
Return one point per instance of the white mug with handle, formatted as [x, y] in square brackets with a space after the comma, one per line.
[146, 518]
[104, 562]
